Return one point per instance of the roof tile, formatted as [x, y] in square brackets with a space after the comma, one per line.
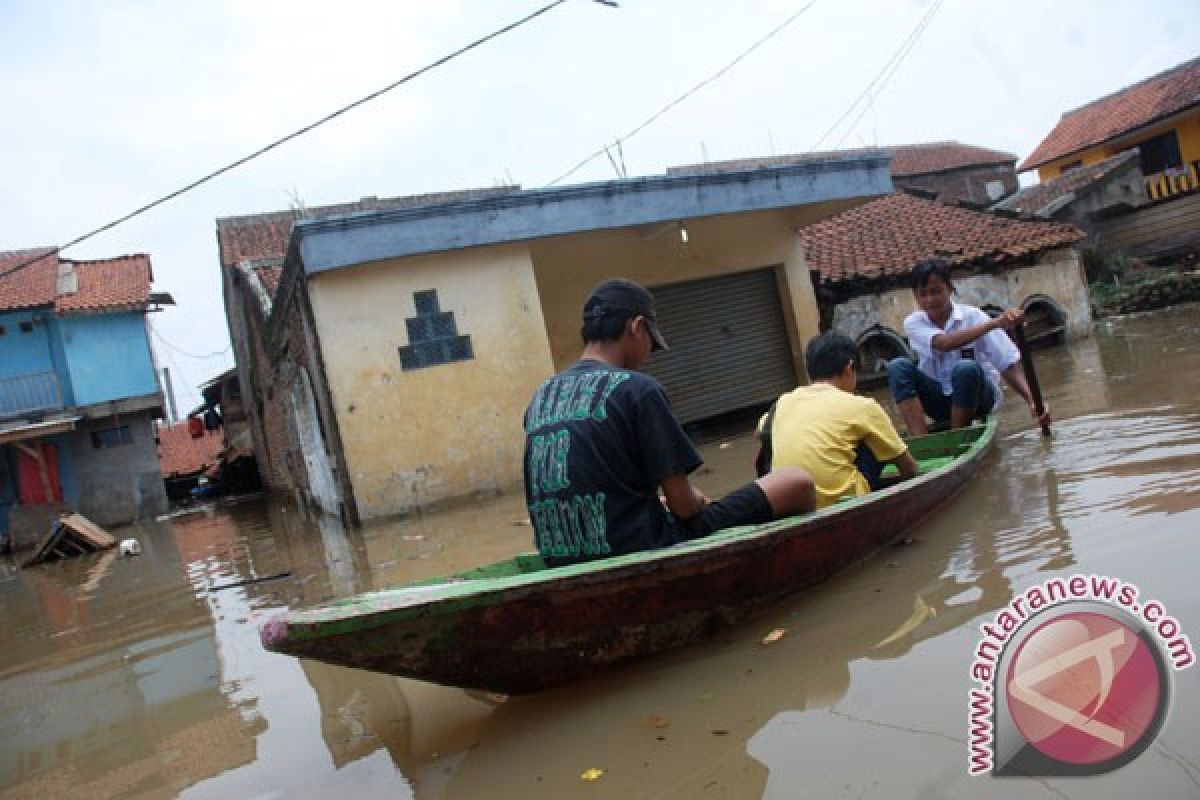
[1110, 116]
[32, 284]
[180, 454]
[889, 236]
[1034, 198]
[112, 284]
[907, 159]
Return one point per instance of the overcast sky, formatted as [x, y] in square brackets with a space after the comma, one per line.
[108, 105]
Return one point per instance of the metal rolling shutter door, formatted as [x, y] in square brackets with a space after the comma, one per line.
[729, 346]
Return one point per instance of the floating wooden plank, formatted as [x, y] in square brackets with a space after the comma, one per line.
[88, 530]
[71, 535]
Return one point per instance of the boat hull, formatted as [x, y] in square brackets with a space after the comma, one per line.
[530, 632]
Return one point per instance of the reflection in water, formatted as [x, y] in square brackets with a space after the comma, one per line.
[144, 677]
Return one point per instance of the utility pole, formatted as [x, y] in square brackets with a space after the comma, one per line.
[174, 415]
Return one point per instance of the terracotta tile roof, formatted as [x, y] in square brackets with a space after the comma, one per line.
[262, 239]
[180, 454]
[1130, 108]
[106, 285]
[30, 286]
[1034, 199]
[907, 159]
[112, 284]
[889, 236]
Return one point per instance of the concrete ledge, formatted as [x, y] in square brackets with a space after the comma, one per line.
[329, 244]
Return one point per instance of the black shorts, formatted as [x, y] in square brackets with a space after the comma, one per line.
[746, 505]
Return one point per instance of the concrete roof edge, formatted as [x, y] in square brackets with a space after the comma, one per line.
[337, 242]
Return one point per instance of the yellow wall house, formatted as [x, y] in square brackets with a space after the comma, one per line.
[429, 328]
[1159, 115]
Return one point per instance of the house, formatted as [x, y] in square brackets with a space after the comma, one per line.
[950, 171]
[398, 350]
[1160, 116]
[78, 390]
[185, 456]
[864, 256]
[1084, 196]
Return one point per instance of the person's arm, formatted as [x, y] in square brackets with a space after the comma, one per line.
[905, 464]
[683, 500]
[1014, 376]
[962, 338]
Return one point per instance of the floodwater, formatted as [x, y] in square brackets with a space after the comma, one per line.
[143, 677]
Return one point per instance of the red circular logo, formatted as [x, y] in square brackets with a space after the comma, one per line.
[1084, 688]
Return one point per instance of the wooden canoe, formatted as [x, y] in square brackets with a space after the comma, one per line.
[517, 626]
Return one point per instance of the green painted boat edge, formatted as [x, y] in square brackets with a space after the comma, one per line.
[454, 593]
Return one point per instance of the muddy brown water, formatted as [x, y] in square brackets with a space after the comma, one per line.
[143, 677]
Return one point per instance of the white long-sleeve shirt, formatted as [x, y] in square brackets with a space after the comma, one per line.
[994, 351]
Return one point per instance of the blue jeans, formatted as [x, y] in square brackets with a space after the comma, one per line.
[971, 388]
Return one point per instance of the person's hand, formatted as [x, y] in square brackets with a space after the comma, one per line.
[1044, 418]
[1010, 318]
[701, 497]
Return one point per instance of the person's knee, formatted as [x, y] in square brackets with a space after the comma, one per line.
[789, 490]
[967, 371]
[901, 367]
[902, 378]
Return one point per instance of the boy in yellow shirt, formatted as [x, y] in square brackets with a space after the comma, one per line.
[841, 439]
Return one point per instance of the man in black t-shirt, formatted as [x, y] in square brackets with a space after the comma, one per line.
[601, 441]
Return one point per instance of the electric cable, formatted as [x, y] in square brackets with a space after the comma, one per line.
[299, 132]
[653, 117]
[892, 64]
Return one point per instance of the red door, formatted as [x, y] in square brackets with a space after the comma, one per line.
[29, 473]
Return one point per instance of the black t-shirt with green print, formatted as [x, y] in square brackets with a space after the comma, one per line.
[598, 442]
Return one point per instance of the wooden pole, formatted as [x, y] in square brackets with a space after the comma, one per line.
[1035, 388]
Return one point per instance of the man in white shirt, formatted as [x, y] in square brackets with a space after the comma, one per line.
[962, 353]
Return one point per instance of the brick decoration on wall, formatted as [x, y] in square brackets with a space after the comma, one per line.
[433, 336]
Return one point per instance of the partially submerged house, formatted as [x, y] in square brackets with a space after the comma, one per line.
[950, 171]
[185, 455]
[1160, 116]
[1077, 194]
[390, 366]
[79, 391]
[864, 257]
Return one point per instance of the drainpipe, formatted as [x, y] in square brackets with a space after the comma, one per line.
[170, 395]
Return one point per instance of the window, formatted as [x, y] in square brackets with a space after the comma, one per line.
[433, 337]
[1160, 153]
[111, 437]
[1065, 168]
[2, 330]
[26, 327]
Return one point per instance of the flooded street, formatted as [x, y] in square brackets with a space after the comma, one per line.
[144, 677]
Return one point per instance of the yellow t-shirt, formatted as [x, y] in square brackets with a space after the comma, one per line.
[819, 428]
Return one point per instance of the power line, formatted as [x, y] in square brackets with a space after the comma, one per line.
[300, 132]
[653, 117]
[881, 78]
[183, 352]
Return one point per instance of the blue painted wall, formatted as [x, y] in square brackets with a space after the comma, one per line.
[108, 356]
[23, 353]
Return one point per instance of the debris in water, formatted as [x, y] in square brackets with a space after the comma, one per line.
[521, 523]
[655, 721]
[591, 774]
[774, 636]
[413, 537]
[726, 445]
[71, 535]
[720, 732]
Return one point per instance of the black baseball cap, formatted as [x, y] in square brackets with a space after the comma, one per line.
[624, 299]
